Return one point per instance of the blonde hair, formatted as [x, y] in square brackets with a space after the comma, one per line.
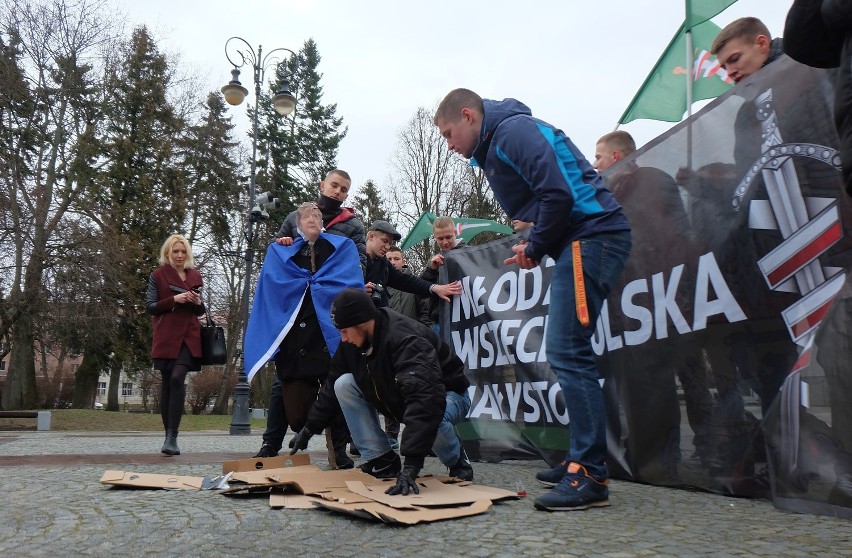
[443, 222]
[620, 141]
[166, 249]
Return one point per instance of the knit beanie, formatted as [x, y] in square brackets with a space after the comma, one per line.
[352, 307]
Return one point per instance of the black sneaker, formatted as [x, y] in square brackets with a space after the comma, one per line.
[266, 451]
[462, 469]
[576, 491]
[551, 477]
[385, 466]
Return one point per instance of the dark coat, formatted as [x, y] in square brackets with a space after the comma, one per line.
[406, 303]
[174, 324]
[381, 272]
[406, 377]
[304, 353]
[430, 308]
[819, 33]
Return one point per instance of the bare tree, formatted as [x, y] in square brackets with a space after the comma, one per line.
[53, 50]
[428, 177]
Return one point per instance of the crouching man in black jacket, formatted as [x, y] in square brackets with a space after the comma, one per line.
[390, 364]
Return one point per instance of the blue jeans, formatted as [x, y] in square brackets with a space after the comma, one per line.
[569, 348]
[371, 440]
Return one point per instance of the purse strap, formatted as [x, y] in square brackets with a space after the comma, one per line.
[210, 322]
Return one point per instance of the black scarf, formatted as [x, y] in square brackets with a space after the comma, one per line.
[329, 207]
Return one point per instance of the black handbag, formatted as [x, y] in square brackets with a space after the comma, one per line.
[213, 349]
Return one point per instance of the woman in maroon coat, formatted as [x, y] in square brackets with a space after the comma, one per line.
[174, 301]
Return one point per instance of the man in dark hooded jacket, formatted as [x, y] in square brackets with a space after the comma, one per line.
[538, 175]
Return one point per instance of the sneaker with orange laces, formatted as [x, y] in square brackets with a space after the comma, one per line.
[576, 491]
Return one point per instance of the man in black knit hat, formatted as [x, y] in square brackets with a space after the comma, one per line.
[390, 364]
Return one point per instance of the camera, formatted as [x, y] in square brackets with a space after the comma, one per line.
[376, 295]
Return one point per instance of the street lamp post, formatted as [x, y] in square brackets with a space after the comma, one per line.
[284, 103]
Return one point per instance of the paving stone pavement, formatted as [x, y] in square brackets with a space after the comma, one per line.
[59, 508]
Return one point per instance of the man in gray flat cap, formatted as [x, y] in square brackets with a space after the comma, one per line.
[381, 273]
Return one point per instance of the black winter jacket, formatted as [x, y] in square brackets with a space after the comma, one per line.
[406, 377]
[819, 33]
[381, 272]
[430, 309]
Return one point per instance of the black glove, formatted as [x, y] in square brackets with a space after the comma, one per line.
[300, 440]
[405, 481]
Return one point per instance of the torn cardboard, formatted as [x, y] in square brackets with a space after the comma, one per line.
[265, 463]
[304, 479]
[433, 493]
[151, 480]
[358, 494]
[349, 491]
[387, 514]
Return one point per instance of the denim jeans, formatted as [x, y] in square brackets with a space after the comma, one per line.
[371, 440]
[569, 348]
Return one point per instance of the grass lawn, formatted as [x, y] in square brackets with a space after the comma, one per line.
[107, 421]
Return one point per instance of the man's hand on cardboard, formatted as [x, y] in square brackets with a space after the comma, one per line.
[300, 440]
[406, 482]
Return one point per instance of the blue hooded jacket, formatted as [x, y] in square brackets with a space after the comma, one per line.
[537, 174]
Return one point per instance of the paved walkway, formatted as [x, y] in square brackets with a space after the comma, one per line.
[54, 505]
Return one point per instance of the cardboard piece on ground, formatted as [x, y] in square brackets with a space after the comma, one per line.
[305, 479]
[343, 496]
[433, 493]
[375, 510]
[272, 477]
[356, 493]
[292, 501]
[264, 463]
[151, 480]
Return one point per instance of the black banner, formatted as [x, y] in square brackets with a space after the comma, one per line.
[723, 362]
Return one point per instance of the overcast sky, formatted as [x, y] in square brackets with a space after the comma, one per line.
[575, 63]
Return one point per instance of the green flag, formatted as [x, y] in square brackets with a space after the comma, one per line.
[466, 228]
[663, 95]
[699, 11]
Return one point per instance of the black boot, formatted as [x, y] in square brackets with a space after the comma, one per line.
[462, 469]
[170, 446]
[343, 461]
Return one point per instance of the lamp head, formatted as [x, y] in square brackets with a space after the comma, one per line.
[284, 101]
[234, 91]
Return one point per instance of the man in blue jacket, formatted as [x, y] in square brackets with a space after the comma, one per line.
[539, 176]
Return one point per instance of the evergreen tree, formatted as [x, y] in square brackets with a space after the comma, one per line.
[369, 204]
[213, 184]
[138, 198]
[297, 150]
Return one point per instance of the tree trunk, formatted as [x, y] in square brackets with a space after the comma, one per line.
[21, 391]
[114, 384]
[86, 380]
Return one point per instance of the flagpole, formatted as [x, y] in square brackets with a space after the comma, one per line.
[689, 82]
